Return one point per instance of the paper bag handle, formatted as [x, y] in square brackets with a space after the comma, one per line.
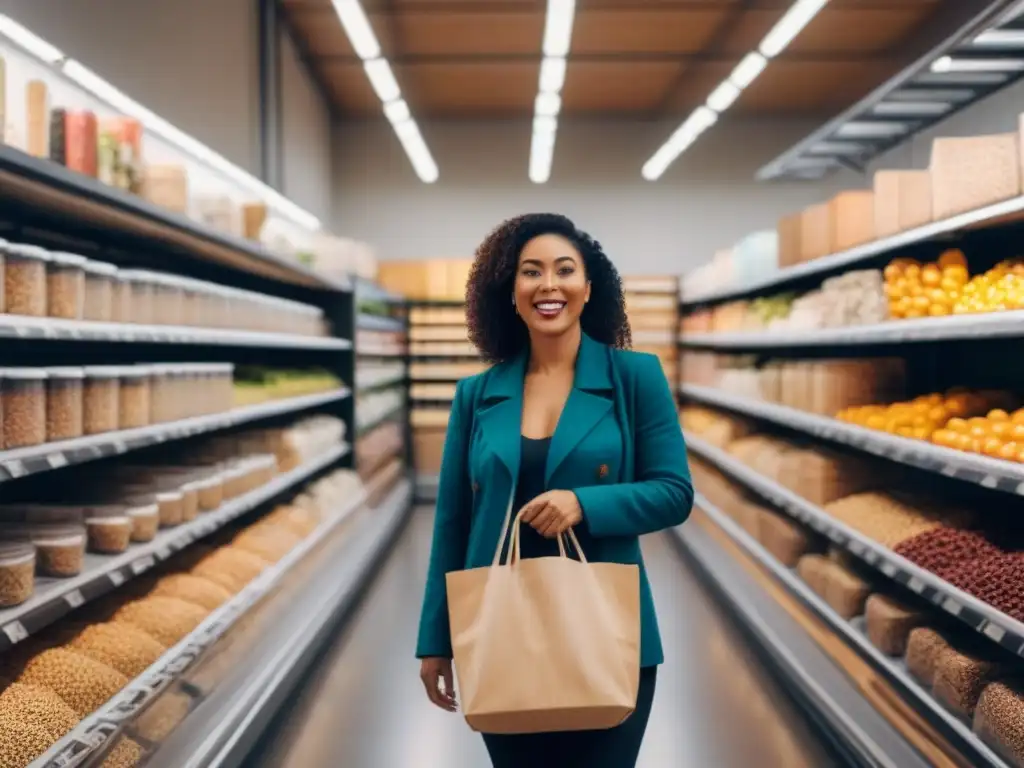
[569, 537]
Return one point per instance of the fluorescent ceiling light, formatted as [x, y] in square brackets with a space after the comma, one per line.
[28, 40]
[552, 75]
[723, 96]
[542, 152]
[1000, 38]
[382, 78]
[547, 104]
[357, 28]
[748, 70]
[558, 27]
[789, 26]
[932, 94]
[949, 64]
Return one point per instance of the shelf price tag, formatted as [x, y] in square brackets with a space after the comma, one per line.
[74, 598]
[994, 632]
[951, 606]
[116, 578]
[916, 584]
[56, 460]
[15, 631]
[142, 564]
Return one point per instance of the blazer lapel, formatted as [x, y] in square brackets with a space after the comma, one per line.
[501, 414]
[585, 407]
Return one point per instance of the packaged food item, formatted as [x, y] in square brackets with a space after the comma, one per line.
[25, 280]
[210, 491]
[64, 403]
[101, 399]
[4, 245]
[65, 286]
[189, 501]
[161, 394]
[122, 298]
[960, 677]
[145, 521]
[108, 534]
[140, 290]
[24, 406]
[60, 549]
[925, 648]
[99, 291]
[172, 507]
[17, 571]
[999, 719]
[134, 397]
[168, 300]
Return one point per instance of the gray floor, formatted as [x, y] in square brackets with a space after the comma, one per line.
[715, 706]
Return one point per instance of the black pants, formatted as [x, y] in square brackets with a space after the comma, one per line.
[616, 747]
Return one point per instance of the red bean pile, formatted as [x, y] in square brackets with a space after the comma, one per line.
[942, 549]
[996, 579]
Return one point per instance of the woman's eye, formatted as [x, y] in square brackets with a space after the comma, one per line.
[531, 273]
[566, 271]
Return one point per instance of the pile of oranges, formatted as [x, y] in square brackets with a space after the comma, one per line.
[926, 290]
[930, 415]
[998, 434]
[999, 289]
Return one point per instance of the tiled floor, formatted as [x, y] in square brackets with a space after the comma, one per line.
[715, 707]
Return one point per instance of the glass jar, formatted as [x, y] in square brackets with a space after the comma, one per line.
[25, 280]
[60, 549]
[24, 406]
[65, 286]
[145, 521]
[191, 302]
[17, 571]
[100, 399]
[122, 298]
[140, 286]
[99, 291]
[135, 396]
[168, 298]
[109, 533]
[4, 245]
[160, 395]
[64, 388]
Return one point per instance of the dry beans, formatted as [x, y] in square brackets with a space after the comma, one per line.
[24, 407]
[61, 558]
[125, 754]
[998, 580]
[925, 647]
[83, 683]
[999, 719]
[122, 647]
[21, 742]
[109, 535]
[192, 589]
[945, 548]
[960, 678]
[32, 704]
[17, 579]
[64, 404]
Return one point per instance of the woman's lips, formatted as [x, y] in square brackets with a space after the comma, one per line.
[549, 309]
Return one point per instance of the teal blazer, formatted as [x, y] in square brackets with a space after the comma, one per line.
[617, 446]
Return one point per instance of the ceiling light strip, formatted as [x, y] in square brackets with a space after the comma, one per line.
[378, 71]
[725, 94]
[557, 41]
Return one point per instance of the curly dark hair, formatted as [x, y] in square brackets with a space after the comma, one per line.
[495, 328]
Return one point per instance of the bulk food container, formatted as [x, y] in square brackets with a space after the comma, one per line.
[23, 391]
[25, 280]
[99, 291]
[65, 286]
[64, 403]
[56, 532]
[134, 397]
[168, 299]
[140, 291]
[101, 398]
[17, 571]
[145, 520]
[110, 529]
[122, 298]
[4, 246]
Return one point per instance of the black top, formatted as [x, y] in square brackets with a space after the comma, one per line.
[532, 466]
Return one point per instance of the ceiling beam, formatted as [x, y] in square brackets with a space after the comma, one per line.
[624, 57]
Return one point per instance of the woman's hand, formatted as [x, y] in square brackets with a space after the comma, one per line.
[433, 671]
[553, 513]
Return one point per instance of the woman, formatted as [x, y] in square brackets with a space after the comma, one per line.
[584, 433]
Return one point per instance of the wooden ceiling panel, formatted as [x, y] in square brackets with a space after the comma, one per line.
[644, 31]
[824, 88]
[351, 90]
[323, 34]
[470, 90]
[469, 33]
[863, 32]
[608, 87]
[693, 86]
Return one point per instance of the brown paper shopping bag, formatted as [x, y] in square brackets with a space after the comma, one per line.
[545, 644]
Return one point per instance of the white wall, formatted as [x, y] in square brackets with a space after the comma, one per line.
[707, 200]
[306, 135]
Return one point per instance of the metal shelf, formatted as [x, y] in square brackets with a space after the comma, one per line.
[22, 462]
[50, 329]
[44, 185]
[979, 616]
[364, 428]
[995, 474]
[367, 322]
[853, 634]
[94, 732]
[951, 328]
[389, 379]
[55, 598]
[367, 290]
[989, 215]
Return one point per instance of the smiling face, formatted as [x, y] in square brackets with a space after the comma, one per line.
[551, 285]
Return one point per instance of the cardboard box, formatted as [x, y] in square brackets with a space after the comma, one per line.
[815, 232]
[887, 203]
[970, 173]
[790, 231]
[428, 448]
[915, 206]
[851, 219]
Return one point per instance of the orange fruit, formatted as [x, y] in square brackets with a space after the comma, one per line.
[998, 414]
[957, 425]
[944, 437]
[952, 257]
[892, 271]
[963, 443]
[992, 446]
[1001, 429]
[1009, 451]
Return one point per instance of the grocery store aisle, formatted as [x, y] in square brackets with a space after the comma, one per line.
[366, 708]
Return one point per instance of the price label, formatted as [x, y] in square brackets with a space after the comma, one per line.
[15, 631]
[142, 564]
[952, 606]
[163, 552]
[56, 460]
[116, 578]
[15, 468]
[989, 481]
[916, 584]
[994, 632]
[74, 598]
[119, 446]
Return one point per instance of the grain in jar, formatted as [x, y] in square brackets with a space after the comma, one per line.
[64, 403]
[17, 572]
[168, 300]
[109, 534]
[25, 280]
[122, 298]
[83, 683]
[4, 245]
[211, 491]
[161, 394]
[145, 521]
[24, 406]
[99, 291]
[60, 549]
[192, 293]
[134, 397]
[140, 290]
[65, 286]
[101, 399]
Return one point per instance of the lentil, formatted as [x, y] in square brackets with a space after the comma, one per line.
[17, 573]
[192, 589]
[25, 281]
[100, 398]
[166, 619]
[83, 683]
[125, 754]
[960, 678]
[166, 713]
[120, 646]
[998, 580]
[231, 568]
[944, 548]
[890, 622]
[925, 646]
[999, 719]
[134, 398]
[24, 407]
[21, 742]
[33, 704]
[109, 535]
[65, 286]
[64, 403]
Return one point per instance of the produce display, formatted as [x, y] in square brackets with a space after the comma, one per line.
[57, 677]
[254, 385]
[926, 290]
